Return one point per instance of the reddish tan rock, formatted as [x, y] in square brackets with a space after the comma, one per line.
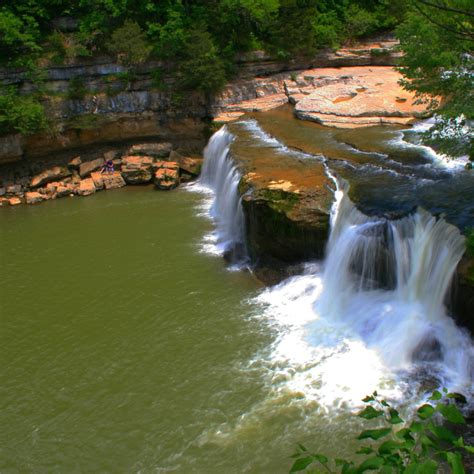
[33, 197]
[113, 180]
[65, 189]
[85, 169]
[166, 178]
[75, 163]
[353, 97]
[172, 165]
[137, 169]
[86, 187]
[14, 201]
[188, 165]
[97, 177]
[53, 174]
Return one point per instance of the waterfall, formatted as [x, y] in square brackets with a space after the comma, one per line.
[222, 177]
[388, 280]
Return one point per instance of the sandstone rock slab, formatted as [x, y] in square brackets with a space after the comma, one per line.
[33, 197]
[53, 174]
[157, 150]
[85, 169]
[166, 178]
[86, 187]
[137, 169]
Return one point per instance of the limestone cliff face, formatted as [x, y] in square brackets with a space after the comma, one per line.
[119, 106]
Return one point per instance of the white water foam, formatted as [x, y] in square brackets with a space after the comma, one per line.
[220, 180]
[373, 318]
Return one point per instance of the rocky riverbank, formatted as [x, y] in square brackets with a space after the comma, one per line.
[142, 163]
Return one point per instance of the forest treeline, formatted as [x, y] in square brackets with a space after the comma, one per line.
[201, 38]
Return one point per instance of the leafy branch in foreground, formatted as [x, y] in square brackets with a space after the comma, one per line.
[418, 448]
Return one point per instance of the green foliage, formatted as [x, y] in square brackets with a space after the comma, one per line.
[420, 447]
[77, 89]
[437, 39]
[201, 68]
[130, 44]
[20, 114]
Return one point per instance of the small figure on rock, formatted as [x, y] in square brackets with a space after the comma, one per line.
[108, 167]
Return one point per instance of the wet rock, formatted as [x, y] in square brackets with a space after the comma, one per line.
[189, 165]
[85, 169]
[172, 165]
[65, 189]
[53, 174]
[113, 180]
[3, 191]
[3, 201]
[157, 150]
[14, 201]
[33, 197]
[137, 169]
[86, 187]
[166, 178]
[75, 163]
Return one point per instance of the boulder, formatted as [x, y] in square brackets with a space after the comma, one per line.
[33, 197]
[3, 201]
[137, 169]
[14, 201]
[14, 189]
[166, 178]
[188, 165]
[86, 187]
[85, 169]
[65, 189]
[171, 165]
[50, 175]
[157, 150]
[113, 180]
[111, 155]
[75, 163]
[3, 191]
[98, 179]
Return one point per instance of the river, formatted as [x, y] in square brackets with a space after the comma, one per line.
[128, 345]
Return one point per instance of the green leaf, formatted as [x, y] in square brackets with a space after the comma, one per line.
[455, 461]
[301, 464]
[303, 448]
[427, 467]
[384, 403]
[368, 399]
[375, 434]
[405, 434]
[425, 412]
[436, 395]
[458, 397]
[442, 433]
[369, 412]
[416, 427]
[452, 414]
[322, 459]
[371, 464]
[469, 449]
[394, 417]
[388, 447]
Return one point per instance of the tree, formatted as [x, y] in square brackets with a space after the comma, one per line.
[130, 44]
[437, 38]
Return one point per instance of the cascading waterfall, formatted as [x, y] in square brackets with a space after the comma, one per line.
[388, 280]
[222, 177]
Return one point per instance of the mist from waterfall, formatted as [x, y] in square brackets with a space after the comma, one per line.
[221, 176]
[373, 314]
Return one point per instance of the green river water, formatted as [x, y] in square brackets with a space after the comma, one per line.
[126, 349]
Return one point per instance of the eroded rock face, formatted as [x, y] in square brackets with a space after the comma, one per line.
[157, 150]
[166, 175]
[113, 180]
[53, 174]
[286, 203]
[137, 169]
[188, 165]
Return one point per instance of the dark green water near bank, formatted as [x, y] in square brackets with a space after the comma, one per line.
[126, 349]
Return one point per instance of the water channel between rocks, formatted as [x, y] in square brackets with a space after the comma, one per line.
[128, 346]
